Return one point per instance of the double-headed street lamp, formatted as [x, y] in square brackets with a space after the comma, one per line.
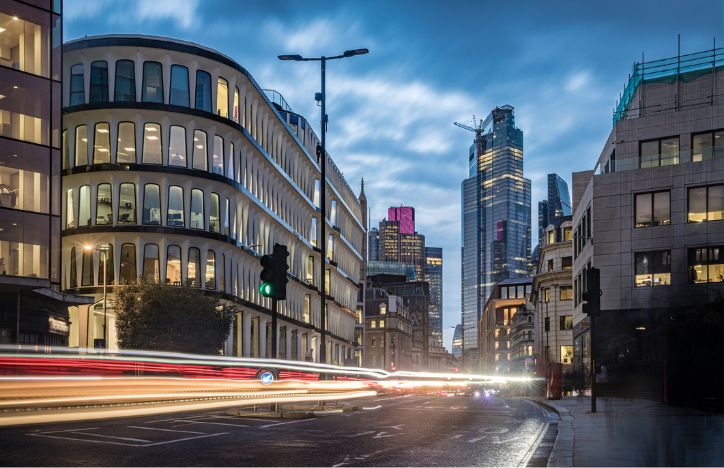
[322, 156]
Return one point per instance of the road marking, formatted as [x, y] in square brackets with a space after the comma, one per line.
[398, 427]
[456, 436]
[370, 408]
[249, 419]
[287, 422]
[497, 441]
[382, 435]
[164, 430]
[174, 419]
[213, 423]
[184, 439]
[362, 434]
[85, 440]
[477, 439]
[130, 439]
[534, 446]
[65, 430]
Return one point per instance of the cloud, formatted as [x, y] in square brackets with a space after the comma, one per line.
[183, 13]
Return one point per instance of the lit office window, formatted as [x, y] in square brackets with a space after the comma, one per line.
[200, 155]
[202, 99]
[330, 247]
[152, 204]
[84, 216]
[652, 209]
[210, 275]
[77, 87]
[567, 354]
[217, 159]
[706, 203]
[126, 147]
[177, 146]
[152, 144]
[81, 145]
[69, 209]
[706, 146]
[222, 97]
[230, 162]
[104, 204]
[152, 82]
[196, 216]
[313, 230]
[235, 114]
[105, 259]
[128, 264]
[315, 197]
[99, 82]
[194, 270]
[663, 152]
[87, 268]
[175, 214]
[566, 322]
[653, 268]
[214, 213]
[66, 150]
[125, 85]
[151, 264]
[73, 268]
[127, 204]
[173, 265]
[333, 213]
[179, 95]
[25, 45]
[567, 234]
[706, 265]
[102, 143]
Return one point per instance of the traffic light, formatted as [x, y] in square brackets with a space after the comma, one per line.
[591, 297]
[266, 288]
[273, 276]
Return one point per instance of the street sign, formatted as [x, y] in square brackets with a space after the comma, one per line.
[266, 377]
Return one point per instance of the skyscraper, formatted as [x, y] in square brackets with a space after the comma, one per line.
[556, 206]
[496, 219]
[373, 244]
[396, 246]
[405, 215]
[433, 275]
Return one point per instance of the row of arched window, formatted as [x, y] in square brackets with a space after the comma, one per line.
[191, 276]
[214, 217]
[152, 87]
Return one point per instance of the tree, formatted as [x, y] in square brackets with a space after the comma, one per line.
[169, 318]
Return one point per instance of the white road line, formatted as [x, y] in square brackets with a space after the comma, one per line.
[214, 423]
[65, 430]
[164, 430]
[370, 408]
[173, 419]
[184, 439]
[534, 446]
[249, 419]
[130, 439]
[287, 422]
[85, 440]
[477, 439]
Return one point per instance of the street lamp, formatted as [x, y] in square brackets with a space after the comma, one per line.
[104, 258]
[322, 155]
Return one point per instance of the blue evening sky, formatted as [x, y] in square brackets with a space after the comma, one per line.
[560, 64]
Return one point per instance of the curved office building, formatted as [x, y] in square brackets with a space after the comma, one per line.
[179, 166]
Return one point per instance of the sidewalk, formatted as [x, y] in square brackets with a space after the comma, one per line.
[635, 433]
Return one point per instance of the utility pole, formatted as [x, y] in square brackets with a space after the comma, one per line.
[592, 307]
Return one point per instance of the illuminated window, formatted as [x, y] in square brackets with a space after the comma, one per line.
[230, 161]
[217, 157]
[551, 237]
[196, 216]
[307, 308]
[152, 204]
[546, 295]
[664, 152]
[333, 213]
[310, 269]
[235, 110]
[214, 213]
[84, 216]
[173, 265]
[382, 324]
[227, 210]
[126, 147]
[200, 155]
[222, 97]
[152, 144]
[66, 151]
[383, 308]
[566, 293]
[567, 234]
[652, 209]
[653, 268]
[567, 354]
[707, 146]
[706, 265]
[104, 204]
[373, 323]
[102, 143]
[73, 283]
[210, 276]
[81, 145]
[175, 213]
[127, 204]
[69, 209]
[177, 146]
[706, 203]
[87, 268]
[313, 232]
[315, 197]
[566, 322]
[330, 247]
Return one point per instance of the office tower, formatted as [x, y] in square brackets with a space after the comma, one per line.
[405, 215]
[396, 246]
[556, 206]
[496, 219]
[433, 275]
[373, 245]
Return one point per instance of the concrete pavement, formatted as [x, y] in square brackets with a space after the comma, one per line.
[635, 433]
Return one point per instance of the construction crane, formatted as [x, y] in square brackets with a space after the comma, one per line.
[477, 129]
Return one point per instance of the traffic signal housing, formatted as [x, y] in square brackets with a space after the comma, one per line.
[591, 297]
[273, 276]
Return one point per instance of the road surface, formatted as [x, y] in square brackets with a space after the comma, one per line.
[389, 430]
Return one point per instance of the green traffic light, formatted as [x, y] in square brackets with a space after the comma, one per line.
[265, 289]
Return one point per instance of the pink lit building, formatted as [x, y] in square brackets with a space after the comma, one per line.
[405, 215]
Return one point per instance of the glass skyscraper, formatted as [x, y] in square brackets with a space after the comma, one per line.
[556, 206]
[496, 219]
[433, 275]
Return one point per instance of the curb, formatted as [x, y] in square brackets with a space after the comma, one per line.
[562, 452]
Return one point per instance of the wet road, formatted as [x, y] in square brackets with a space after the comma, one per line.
[386, 430]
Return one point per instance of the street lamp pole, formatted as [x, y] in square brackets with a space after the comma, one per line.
[103, 249]
[322, 156]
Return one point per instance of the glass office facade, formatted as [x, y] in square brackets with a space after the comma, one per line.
[496, 219]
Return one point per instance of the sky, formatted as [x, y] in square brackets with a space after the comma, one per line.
[560, 64]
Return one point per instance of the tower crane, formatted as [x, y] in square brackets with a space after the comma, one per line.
[477, 129]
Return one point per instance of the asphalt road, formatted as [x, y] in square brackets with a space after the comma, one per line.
[410, 430]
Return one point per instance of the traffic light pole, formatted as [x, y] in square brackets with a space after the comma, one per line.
[593, 366]
[274, 329]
